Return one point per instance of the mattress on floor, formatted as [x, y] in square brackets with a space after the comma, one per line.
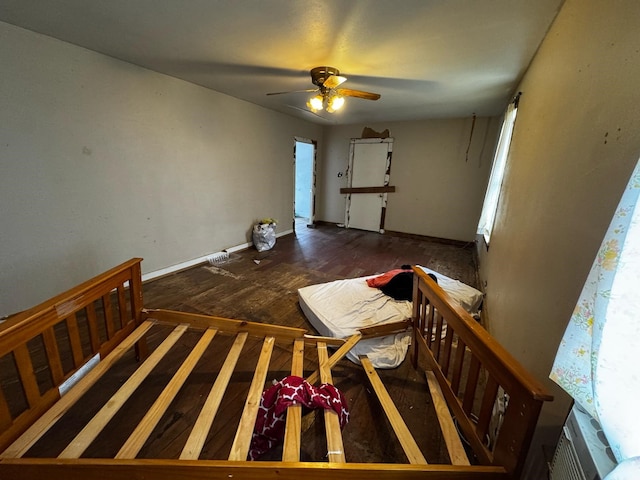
[340, 308]
[468, 297]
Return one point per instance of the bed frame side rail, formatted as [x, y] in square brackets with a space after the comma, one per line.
[43, 347]
[494, 400]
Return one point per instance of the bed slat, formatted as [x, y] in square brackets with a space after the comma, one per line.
[198, 435]
[437, 336]
[5, 414]
[409, 445]
[28, 378]
[94, 334]
[335, 446]
[336, 357]
[457, 454]
[74, 339]
[91, 430]
[242, 440]
[430, 320]
[53, 355]
[108, 315]
[293, 428]
[458, 364]
[446, 357]
[471, 385]
[122, 306]
[226, 324]
[486, 408]
[136, 440]
[385, 329]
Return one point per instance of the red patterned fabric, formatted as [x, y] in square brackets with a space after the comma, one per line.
[291, 390]
[382, 280]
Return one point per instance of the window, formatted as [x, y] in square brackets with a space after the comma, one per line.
[490, 205]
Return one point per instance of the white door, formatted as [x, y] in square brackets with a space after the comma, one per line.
[370, 161]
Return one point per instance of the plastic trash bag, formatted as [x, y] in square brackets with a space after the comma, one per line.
[264, 236]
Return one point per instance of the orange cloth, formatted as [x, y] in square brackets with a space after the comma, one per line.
[382, 280]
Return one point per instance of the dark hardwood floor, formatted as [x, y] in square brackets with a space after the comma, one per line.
[262, 287]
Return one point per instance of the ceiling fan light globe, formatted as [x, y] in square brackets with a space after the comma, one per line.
[335, 103]
[315, 103]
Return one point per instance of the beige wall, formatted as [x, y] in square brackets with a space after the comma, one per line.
[576, 140]
[439, 191]
[101, 161]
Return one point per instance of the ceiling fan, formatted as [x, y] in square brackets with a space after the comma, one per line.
[328, 96]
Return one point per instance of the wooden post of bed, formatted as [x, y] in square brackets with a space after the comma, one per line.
[418, 317]
[135, 296]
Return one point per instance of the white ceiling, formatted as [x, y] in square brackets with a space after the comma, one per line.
[427, 58]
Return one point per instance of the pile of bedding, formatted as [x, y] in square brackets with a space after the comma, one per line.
[340, 308]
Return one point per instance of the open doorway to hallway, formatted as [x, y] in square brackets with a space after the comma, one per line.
[304, 189]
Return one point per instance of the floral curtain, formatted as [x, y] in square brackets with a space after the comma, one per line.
[598, 361]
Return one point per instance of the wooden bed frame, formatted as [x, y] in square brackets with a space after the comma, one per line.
[99, 321]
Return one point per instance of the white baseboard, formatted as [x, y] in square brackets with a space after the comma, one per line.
[197, 261]
[174, 268]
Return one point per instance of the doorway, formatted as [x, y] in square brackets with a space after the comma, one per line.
[369, 167]
[304, 188]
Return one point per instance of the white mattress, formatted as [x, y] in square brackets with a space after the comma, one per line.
[468, 297]
[340, 308]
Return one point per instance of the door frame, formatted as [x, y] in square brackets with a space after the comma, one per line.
[312, 216]
[387, 175]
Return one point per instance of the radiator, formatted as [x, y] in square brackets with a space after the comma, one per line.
[582, 452]
[566, 464]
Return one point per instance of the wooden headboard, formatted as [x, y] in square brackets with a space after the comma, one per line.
[88, 320]
[494, 400]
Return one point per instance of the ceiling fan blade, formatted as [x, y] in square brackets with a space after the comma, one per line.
[333, 81]
[294, 91]
[347, 92]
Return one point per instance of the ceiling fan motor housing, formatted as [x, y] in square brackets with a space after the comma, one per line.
[320, 74]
